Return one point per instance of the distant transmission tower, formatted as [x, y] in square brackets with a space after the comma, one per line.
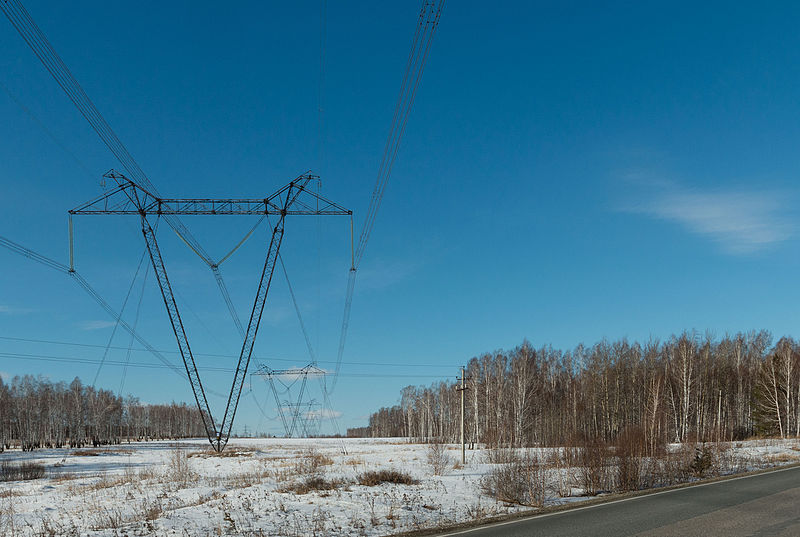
[296, 416]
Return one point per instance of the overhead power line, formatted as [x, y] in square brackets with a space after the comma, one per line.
[423, 37]
[213, 355]
[153, 365]
[45, 130]
[81, 281]
[41, 47]
[121, 311]
[427, 23]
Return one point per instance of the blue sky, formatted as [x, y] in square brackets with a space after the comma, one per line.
[568, 173]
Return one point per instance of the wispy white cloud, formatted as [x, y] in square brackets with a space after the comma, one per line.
[740, 221]
[95, 325]
[12, 310]
[324, 414]
[379, 274]
[277, 315]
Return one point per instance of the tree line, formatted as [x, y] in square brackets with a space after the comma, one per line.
[691, 387]
[35, 413]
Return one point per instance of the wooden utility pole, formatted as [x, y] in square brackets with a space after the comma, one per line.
[462, 389]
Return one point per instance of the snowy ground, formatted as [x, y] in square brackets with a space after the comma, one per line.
[182, 488]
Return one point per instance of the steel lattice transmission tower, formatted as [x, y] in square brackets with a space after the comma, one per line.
[129, 198]
[296, 420]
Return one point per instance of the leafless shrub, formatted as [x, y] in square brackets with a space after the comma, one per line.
[374, 478]
[563, 476]
[674, 467]
[25, 471]
[724, 460]
[438, 458]
[631, 447]
[523, 480]
[731, 462]
[592, 459]
[501, 455]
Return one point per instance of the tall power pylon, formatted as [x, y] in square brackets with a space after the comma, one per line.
[129, 198]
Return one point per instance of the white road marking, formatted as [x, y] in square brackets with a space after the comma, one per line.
[601, 504]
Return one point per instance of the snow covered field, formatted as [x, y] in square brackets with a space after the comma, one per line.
[269, 487]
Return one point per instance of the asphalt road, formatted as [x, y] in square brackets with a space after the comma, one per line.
[760, 505]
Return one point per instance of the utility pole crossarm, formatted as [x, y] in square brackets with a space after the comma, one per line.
[120, 201]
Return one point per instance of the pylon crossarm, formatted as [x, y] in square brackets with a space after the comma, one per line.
[128, 198]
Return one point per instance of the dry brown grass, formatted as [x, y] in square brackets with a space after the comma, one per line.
[311, 463]
[151, 510]
[85, 453]
[374, 478]
[100, 451]
[228, 453]
[782, 458]
[108, 481]
[311, 484]
[246, 479]
[63, 477]
[146, 473]
[179, 471]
